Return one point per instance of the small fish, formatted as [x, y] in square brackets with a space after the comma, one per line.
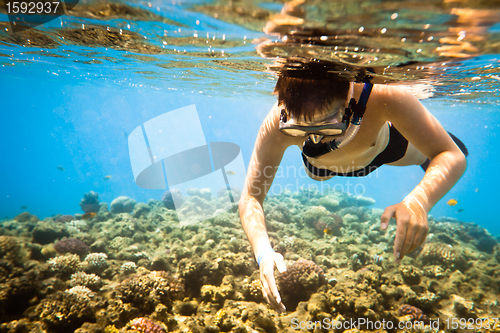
[476, 190]
[452, 202]
[24, 207]
[230, 173]
[88, 216]
[460, 210]
[108, 177]
[327, 231]
[60, 168]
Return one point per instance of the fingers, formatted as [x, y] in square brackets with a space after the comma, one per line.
[410, 234]
[420, 237]
[269, 288]
[386, 216]
[268, 294]
[399, 241]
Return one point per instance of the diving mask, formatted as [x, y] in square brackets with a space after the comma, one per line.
[316, 131]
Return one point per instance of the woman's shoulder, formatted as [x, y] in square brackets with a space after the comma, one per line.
[415, 90]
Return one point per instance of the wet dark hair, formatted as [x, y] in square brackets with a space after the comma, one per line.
[303, 97]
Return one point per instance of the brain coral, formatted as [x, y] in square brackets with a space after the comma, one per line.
[146, 291]
[414, 312]
[444, 255]
[299, 282]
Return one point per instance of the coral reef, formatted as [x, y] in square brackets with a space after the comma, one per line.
[146, 291]
[122, 204]
[46, 233]
[145, 325]
[96, 261]
[411, 275]
[66, 310]
[144, 269]
[414, 312]
[26, 217]
[300, 281]
[90, 202]
[9, 249]
[65, 218]
[330, 224]
[443, 254]
[77, 227]
[128, 267]
[65, 265]
[71, 245]
[170, 197]
[91, 281]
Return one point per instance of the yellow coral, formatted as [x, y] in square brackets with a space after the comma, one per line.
[111, 329]
[219, 316]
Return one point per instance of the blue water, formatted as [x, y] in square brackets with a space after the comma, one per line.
[58, 113]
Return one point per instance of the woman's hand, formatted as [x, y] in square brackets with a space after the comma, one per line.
[411, 226]
[269, 289]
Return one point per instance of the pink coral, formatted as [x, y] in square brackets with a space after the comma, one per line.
[332, 222]
[414, 312]
[145, 325]
[299, 282]
[71, 245]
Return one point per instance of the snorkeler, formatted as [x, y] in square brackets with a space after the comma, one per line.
[339, 136]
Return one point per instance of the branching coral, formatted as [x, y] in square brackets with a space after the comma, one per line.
[91, 281]
[128, 267]
[65, 265]
[96, 261]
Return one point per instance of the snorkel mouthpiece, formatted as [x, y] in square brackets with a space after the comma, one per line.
[315, 138]
[355, 112]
